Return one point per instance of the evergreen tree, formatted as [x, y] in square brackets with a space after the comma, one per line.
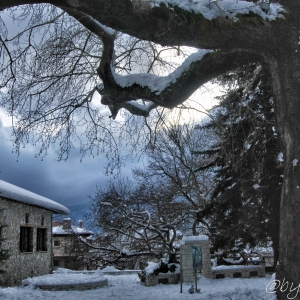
[246, 200]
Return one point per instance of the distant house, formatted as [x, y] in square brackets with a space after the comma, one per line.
[27, 237]
[68, 251]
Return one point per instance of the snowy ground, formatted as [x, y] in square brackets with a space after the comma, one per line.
[128, 287]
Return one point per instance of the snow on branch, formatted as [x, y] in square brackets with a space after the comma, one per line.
[157, 83]
[122, 91]
[119, 91]
[249, 85]
[133, 107]
[108, 30]
[211, 9]
[90, 23]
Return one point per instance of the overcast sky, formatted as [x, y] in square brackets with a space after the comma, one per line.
[68, 183]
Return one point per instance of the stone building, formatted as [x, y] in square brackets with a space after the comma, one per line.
[27, 233]
[68, 250]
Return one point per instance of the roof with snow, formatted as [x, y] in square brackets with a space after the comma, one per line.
[77, 230]
[15, 193]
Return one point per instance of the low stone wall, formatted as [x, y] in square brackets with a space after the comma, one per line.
[238, 271]
[122, 272]
[79, 286]
[166, 278]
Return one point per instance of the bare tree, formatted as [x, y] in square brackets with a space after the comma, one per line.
[173, 158]
[50, 85]
[237, 33]
[142, 221]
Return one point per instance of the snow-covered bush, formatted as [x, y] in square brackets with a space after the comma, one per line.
[163, 266]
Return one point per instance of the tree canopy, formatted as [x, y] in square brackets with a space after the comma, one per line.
[173, 159]
[141, 221]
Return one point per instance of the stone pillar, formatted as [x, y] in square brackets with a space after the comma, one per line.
[186, 259]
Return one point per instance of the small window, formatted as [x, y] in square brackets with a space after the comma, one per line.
[43, 221]
[26, 218]
[56, 263]
[26, 239]
[41, 239]
[56, 243]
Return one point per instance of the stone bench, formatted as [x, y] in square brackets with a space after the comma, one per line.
[238, 271]
[74, 286]
[165, 278]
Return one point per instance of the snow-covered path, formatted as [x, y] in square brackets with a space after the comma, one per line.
[128, 287]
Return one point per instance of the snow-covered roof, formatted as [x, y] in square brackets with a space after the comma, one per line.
[15, 193]
[77, 230]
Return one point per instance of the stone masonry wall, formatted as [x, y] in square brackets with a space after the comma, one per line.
[152, 280]
[186, 259]
[239, 271]
[21, 265]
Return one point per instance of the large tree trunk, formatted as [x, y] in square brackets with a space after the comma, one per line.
[285, 74]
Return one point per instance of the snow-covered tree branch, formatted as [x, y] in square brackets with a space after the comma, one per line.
[144, 220]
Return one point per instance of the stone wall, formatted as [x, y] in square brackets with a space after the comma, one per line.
[168, 278]
[186, 259]
[21, 265]
[239, 271]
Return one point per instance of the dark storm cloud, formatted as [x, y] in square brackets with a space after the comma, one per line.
[68, 183]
